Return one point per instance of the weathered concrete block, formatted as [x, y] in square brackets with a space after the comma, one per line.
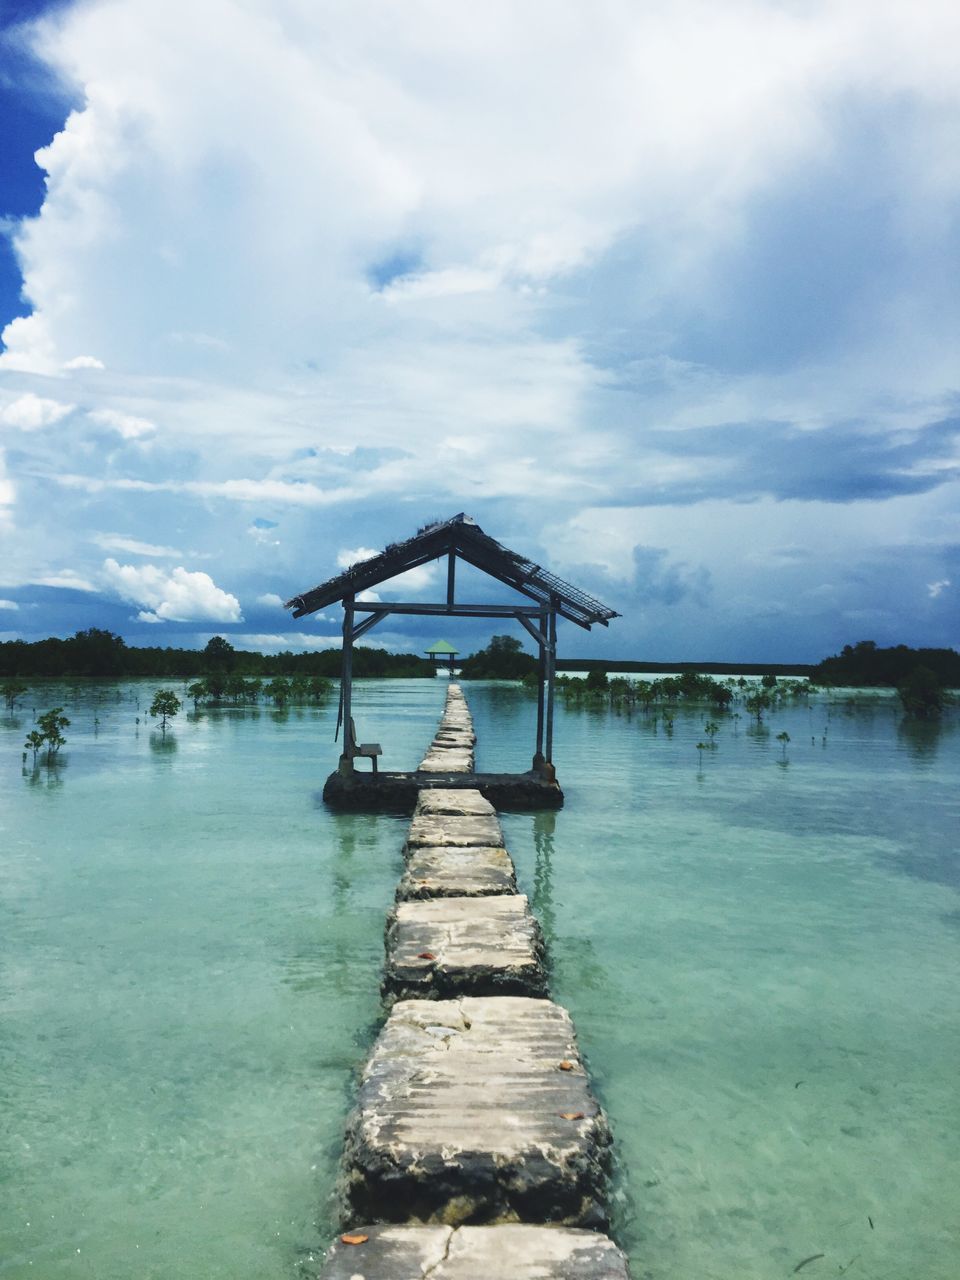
[467, 1113]
[447, 762]
[481, 946]
[450, 872]
[510, 1252]
[453, 802]
[454, 829]
[459, 738]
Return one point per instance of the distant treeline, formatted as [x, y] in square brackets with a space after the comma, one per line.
[103, 654]
[625, 666]
[865, 664]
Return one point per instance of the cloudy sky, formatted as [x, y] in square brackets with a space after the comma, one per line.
[664, 293]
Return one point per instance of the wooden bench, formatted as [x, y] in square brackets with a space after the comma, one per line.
[369, 750]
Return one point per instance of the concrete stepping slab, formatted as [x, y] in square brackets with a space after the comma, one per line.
[447, 762]
[453, 802]
[476, 1111]
[480, 946]
[447, 871]
[513, 1251]
[454, 829]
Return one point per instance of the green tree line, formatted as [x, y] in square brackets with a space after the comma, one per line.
[95, 652]
[865, 664]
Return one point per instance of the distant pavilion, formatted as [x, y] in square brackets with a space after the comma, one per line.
[442, 654]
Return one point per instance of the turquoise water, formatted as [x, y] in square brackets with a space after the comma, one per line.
[760, 952]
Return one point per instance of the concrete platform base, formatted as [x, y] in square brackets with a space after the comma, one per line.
[512, 1252]
[476, 1111]
[450, 947]
[383, 792]
[445, 872]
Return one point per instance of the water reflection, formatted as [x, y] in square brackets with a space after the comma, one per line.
[163, 745]
[42, 776]
[345, 833]
[920, 738]
[541, 900]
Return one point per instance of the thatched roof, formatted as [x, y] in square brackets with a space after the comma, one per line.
[462, 535]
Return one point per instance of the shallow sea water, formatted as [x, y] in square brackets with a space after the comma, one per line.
[760, 950]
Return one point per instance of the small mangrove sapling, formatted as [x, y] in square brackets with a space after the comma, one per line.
[51, 722]
[12, 690]
[165, 704]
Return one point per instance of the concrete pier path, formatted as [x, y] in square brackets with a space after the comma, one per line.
[513, 1252]
[484, 946]
[466, 1114]
[452, 748]
[476, 1150]
[437, 871]
[454, 848]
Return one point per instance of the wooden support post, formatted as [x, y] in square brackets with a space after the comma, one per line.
[551, 664]
[541, 680]
[346, 687]
[451, 576]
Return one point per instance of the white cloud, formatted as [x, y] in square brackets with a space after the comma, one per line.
[84, 362]
[271, 600]
[9, 604]
[8, 493]
[131, 546]
[205, 340]
[411, 582]
[934, 589]
[68, 578]
[274, 641]
[30, 412]
[177, 596]
[347, 557]
[128, 426]
[29, 345]
[486, 279]
[261, 531]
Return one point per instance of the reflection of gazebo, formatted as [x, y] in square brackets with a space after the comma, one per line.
[442, 653]
[543, 598]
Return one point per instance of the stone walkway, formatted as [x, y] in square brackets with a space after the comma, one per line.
[476, 1133]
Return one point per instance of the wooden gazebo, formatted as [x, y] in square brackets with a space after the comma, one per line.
[442, 654]
[457, 538]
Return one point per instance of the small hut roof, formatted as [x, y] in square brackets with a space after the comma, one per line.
[464, 536]
[441, 646]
